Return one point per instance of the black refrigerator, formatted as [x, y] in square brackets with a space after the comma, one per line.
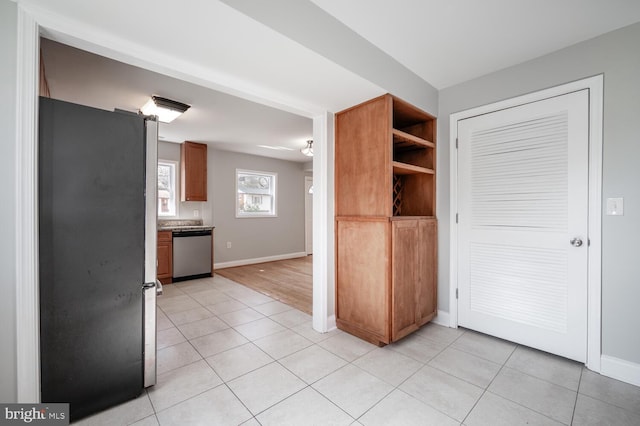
[97, 255]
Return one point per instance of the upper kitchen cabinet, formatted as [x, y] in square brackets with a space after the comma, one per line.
[193, 171]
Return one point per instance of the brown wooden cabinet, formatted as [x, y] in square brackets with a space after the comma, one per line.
[165, 257]
[413, 275]
[386, 231]
[193, 171]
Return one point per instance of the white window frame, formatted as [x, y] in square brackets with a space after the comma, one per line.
[272, 178]
[174, 202]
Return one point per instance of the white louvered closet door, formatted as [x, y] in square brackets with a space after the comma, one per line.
[523, 197]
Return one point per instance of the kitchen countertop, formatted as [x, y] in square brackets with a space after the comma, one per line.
[185, 228]
[183, 225]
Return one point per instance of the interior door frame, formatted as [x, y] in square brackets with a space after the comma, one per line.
[308, 212]
[32, 22]
[595, 86]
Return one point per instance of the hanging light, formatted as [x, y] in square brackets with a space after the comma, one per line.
[166, 109]
[308, 150]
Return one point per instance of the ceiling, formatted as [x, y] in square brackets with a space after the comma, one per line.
[218, 119]
[237, 60]
[447, 42]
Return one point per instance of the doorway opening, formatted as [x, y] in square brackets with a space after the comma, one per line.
[27, 270]
[225, 124]
[289, 281]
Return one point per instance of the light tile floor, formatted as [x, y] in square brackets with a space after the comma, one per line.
[228, 355]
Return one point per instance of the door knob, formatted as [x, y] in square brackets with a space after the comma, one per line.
[576, 242]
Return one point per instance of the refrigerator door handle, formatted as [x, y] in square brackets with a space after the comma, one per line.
[151, 201]
[150, 362]
[150, 288]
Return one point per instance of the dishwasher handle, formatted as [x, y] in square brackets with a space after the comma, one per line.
[192, 233]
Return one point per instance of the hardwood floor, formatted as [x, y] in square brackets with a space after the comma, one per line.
[289, 281]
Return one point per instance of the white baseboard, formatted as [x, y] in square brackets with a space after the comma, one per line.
[619, 369]
[442, 319]
[244, 262]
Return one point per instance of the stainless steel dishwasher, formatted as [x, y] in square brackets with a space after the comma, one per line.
[191, 254]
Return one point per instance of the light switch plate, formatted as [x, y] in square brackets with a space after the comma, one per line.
[615, 206]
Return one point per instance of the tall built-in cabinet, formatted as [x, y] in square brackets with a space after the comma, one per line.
[386, 230]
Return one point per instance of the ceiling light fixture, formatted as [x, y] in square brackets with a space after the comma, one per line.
[166, 109]
[308, 150]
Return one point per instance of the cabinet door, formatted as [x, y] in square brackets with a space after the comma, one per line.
[362, 291]
[427, 286]
[193, 170]
[405, 276]
[165, 257]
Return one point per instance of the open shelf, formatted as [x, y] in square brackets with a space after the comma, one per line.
[405, 188]
[409, 169]
[403, 140]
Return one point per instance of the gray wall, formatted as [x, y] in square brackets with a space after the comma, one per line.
[8, 39]
[250, 237]
[617, 55]
[255, 237]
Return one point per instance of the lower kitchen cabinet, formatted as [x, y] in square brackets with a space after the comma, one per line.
[165, 257]
[386, 276]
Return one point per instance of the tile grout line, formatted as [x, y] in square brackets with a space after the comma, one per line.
[193, 396]
[486, 389]
[544, 380]
[310, 385]
[424, 364]
[575, 403]
[210, 367]
[518, 370]
[253, 416]
[153, 407]
[278, 361]
[273, 361]
[450, 345]
[375, 404]
[516, 402]
[463, 379]
[635, 413]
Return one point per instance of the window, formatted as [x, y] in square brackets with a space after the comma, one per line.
[255, 194]
[167, 196]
